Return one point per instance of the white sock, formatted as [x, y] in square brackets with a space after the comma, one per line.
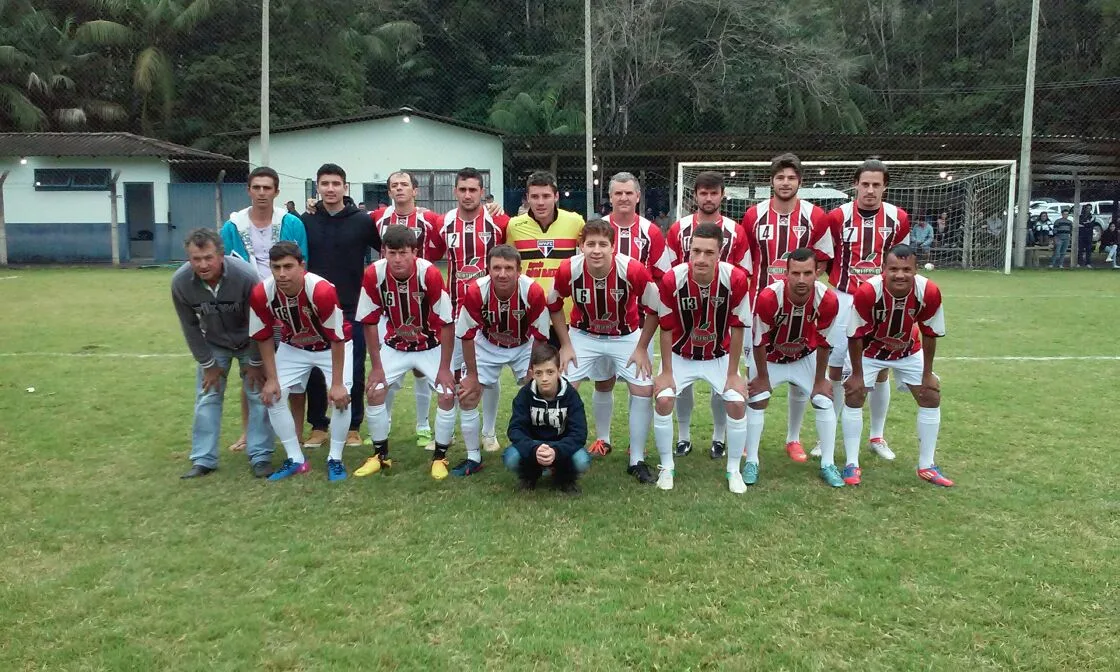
[389, 394]
[641, 417]
[445, 426]
[880, 402]
[284, 426]
[929, 424]
[603, 406]
[719, 419]
[491, 397]
[851, 424]
[685, 403]
[837, 397]
[798, 400]
[468, 425]
[423, 403]
[663, 438]
[737, 437]
[340, 426]
[377, 421]
[755, 422]
[826, 433]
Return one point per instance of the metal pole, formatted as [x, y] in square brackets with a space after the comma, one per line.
[3, 225]
[588, 126]
[264, 83]
[1074, 243]
[219, 218]
[1010, 221]
[114, 224]
[1025, 146]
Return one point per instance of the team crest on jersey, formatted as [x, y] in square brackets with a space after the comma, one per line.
[617, 294]
[799, 231]
[546, 246]
[485, 237]
[518, 314]
[639, 243]
[886, 230]
[717, 301]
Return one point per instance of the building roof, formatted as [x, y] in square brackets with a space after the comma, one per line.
[368, 114]
[99, 144]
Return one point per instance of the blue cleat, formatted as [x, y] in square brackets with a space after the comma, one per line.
[336, 470]
[289, 468]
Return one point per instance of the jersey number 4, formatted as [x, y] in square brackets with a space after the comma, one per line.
[765, 231]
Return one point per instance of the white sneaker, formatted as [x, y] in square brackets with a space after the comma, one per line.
[735, 482]
[664, 478]
[490, 444]
[431, 447]
[816, 451]
[880, 448]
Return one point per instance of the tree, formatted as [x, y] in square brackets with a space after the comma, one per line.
[526, 114]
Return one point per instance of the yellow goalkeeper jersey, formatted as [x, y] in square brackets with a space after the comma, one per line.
[542, 251]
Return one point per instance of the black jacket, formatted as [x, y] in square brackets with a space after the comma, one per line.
[336, 248]
[559, 422]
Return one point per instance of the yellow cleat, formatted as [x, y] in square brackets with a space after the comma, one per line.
[372, 466]
[439, 469]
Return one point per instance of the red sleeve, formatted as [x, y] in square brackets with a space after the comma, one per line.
[435, 247]
[826, 312]
[903, 226]
[673, 243]
[834, 220]
[740, 299]
[668, 316]
[261, 320]
[740, 250]
[821, 237]
[369, 300]
[538, 313]
[863, 305]
[561, 287]
[749, 235]
[659, 261]
[639, 280]
[438, 298]
[470, 314]
[502, 222]
[931, 318]
[765, 307]
[325, 301]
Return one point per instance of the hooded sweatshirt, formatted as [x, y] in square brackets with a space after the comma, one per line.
[237, 235]
[337, 248]
[559, 422]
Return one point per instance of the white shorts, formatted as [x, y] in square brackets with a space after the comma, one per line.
[838, 336]
[603, 357]
[293, 366]
[491, 358]
[907, 371]
[800, 374]
[458, 364]
[713, 371]
[398, 363]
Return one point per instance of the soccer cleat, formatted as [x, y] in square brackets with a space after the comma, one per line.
[641, 472]
[664, 478]
[796, 452]
[718, 451]
[816, 451]
[735, 483]
[466, 468]
[353, 439]
[600, 448]
[372, 465]
[831, 475]
[526, 484]
[317, 439]
[683, 448]
[879, 447]
[852, 474]
[750, 473]
[571, 488]
[289, 468]
[490, 444]
[439, 469]
[932, 474]
[336, 471]
[423, 438]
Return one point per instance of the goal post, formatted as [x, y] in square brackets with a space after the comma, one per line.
[976, 197]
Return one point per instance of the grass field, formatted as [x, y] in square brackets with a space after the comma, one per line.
[110, 562]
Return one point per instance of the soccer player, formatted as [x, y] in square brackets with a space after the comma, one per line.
[211, 297]
[613, 320]
[707, 191]
[775, 228]
[705, 306]
[465, 237]
[547, 427]
[313, 333]
[861, 232]
[408, 292]
[792, 318]
[503, 314]
[895, 323]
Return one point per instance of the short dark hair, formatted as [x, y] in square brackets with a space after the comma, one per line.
[708, 179]
[709, 230]
[542, 178]
[597, 227]
[872, 166]
[469, 173]
[398, 237]
[503, 251]
[783, 161]
[543, 353]
[802, 254]
[411, 178]
[900, 251]
[200, 238]
[265, 171]
[285, 248]
[330, 169]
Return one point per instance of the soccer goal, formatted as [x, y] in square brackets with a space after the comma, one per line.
[968, 203]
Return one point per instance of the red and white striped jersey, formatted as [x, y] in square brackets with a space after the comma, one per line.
[607, 306]
[424, 223]
[788, 331]
[701, 317]
[643, 241]
[506, 324]
[415, 308]
[891, 328]
[860, 242]
[465, 245]
[310, 320]
[734, 250]
[772, 236]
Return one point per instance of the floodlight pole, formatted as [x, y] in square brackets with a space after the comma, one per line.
[1024, 213]
[588, 143]
[264, 83]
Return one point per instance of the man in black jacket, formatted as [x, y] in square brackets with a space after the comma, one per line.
[338, 235]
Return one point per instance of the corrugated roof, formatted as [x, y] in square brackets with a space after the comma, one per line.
[98, 144]
[367, 114]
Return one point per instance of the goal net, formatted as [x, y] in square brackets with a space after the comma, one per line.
[967, 203]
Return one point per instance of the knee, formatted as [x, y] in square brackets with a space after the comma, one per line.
[930, 399]
[735, 409]
[639, 391]
[604, 385]
[377, 398]
[512, 459]
[855, 399]
[883, 376]
[758, 405]
[581, 461]
[665, 405]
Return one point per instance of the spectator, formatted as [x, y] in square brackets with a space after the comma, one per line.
[942, 232]
[921, 237]
[1085, 225]
[362, 207]
[663, 220]
[1043, 229]
[524, 207]
[291, 206]
[1109, 240]
[1063, 231]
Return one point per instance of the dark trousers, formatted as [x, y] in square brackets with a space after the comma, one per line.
[317, 386]
[563, 467]
[1084, 251]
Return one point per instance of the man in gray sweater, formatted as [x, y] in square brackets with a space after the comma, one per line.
[211, 296]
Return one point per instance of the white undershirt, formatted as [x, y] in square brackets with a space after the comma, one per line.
[262, 242]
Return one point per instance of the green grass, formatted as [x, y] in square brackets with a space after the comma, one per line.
[111, 562]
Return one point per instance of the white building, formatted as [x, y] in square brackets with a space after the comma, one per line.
[372, 145]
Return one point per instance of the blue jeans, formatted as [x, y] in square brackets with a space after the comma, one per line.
[1061, 249]
[208, 415]
[564, 469]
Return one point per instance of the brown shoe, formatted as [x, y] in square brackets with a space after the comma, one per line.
[353, 439]
[317, 439]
